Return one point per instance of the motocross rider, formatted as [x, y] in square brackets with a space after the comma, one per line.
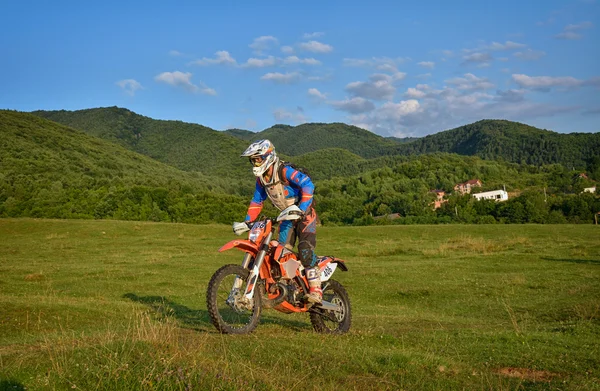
[286, 186]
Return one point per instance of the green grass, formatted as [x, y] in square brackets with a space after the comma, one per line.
[110, 305]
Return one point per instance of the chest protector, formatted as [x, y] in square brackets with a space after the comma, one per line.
[276, 189]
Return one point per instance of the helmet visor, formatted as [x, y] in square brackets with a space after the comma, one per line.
[256, 160]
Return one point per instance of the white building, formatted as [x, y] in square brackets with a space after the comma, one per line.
[496, 195]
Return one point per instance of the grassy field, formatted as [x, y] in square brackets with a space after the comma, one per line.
[111, 305]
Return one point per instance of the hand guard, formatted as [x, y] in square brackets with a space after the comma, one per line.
[240, 228]
[290, 213]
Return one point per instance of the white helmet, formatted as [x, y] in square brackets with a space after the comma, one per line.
[262, 155]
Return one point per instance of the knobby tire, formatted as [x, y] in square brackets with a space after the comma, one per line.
[220, 314]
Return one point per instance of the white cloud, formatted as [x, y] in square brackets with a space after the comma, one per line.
[389, 118]
[426, 110]
[495, 46]
[175, 53]
[379, 87]
[130, 86]
[469, 101]
[546, 83]
[325, 77]
[273, 61]
[427, 64]
[579, 26]
[260, 62]
[356, 62]
[180, 79]
[470, 82]
[510, 95]
[313, 92]
[354, 105]
[508, 45]
[282, 78]
[391, 111]
[222, 57]
[568, 35]
[297, 60]
[287, 49]
[478, 58]
[263, 43]
[569, 31]
[316, 34]
[316, 47]
[530, 54]
[384, 64]
[284, 115]
[414, 93]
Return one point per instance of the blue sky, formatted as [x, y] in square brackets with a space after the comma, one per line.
[396, 68]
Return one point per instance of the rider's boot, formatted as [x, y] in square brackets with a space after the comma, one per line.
[315, 294]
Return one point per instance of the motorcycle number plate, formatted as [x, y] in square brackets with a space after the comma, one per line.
[327, 272]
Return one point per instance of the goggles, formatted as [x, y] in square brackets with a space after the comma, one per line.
[257, 161]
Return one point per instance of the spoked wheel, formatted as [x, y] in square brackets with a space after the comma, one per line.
[333, 322]
[229, 312]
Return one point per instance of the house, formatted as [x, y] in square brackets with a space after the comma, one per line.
[589, 190]
[465, 187]
[439, 193]
[496, 195]
[439, 198]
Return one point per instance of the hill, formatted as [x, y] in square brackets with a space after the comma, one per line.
[510, 141]
[301, 139]
[242, 134]
[190, 147]
[50, 170]
[402, 139]
[194, 147]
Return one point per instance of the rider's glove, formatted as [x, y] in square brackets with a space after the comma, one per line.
[240, 228]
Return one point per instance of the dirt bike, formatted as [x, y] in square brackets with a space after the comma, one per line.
[271, 276]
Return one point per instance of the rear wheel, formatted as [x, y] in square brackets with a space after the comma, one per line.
[225, 300]
[333, 322]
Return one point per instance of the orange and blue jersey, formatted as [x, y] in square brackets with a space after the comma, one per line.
[297, 186]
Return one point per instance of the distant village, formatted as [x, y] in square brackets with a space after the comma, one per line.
[466, 188]
[495, 195]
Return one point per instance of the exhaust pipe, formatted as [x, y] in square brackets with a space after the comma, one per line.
[283, 292]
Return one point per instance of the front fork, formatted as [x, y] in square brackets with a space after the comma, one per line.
[247, 300]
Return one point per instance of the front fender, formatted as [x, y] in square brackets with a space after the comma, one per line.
[242, 245]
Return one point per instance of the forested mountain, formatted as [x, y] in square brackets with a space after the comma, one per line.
[511, 141]
[402, 139]
[50, 170]
[403, 186]
[242, 134]
[189, 147]
[194, 147]
[297, 140]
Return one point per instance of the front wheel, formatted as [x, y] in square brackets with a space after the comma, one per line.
[333, 322]
[229, 311]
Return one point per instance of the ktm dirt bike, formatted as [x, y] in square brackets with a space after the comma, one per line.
[271, 276]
